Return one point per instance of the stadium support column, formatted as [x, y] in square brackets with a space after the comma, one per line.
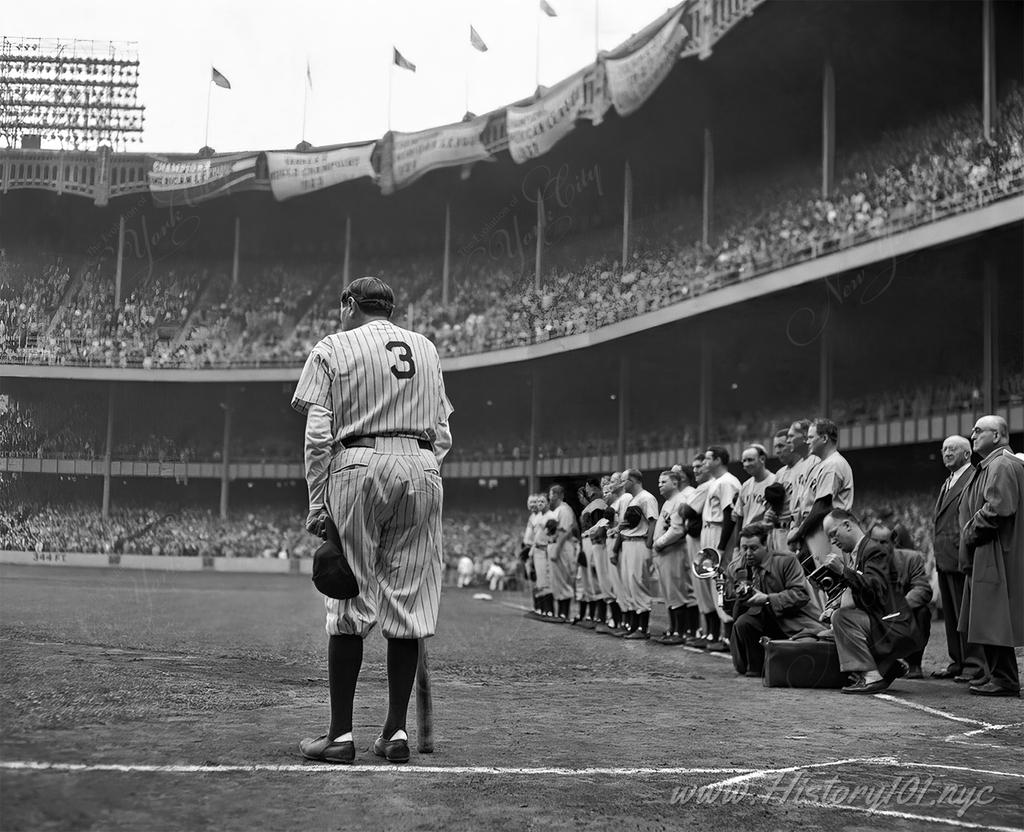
[238, 243]
[535, 381]
[446, 268]
[623, 394]
[825, 373]
[120, 262]
[225, 481]
[988, 69]
[828, 129]
[708, 196]
[704, 405]
[990, 331]
[108, 450]
[627, 212]
[538, 264]
[346, 269]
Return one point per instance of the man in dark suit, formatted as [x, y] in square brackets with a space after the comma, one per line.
[992, 553]
[966, 661]
[873, 627]
[779, 603]
[917, 589]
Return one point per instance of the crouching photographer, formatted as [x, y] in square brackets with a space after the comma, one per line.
[772, 599]
[874, 627]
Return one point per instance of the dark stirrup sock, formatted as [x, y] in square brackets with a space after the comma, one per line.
[616, 614]
[602, 611]
[693, 619]
[344, 658]
[673, 620]
[403, 655]
[645, 620]
[563, 607]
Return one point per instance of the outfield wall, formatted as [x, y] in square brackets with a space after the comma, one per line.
[267, 566]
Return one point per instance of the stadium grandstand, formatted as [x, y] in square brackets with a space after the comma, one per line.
[799, 209]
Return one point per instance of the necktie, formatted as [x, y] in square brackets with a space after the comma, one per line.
[945, 487]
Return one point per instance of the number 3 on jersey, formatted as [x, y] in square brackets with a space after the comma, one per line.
[404, 367]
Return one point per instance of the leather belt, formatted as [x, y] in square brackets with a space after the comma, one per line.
[371, 441]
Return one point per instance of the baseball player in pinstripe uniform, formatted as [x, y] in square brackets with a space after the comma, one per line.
[782, 521]
[719, 508]
[670, 558]
[620, 606]
[376, 432]
[586, 575]
[750, 505]
[636, 555]
[562, 551]
[596, 532]
[801, 470]
[537, 505]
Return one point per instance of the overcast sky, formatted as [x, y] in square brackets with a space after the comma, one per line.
[262, 49]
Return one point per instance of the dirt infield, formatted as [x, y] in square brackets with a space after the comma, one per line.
[175, 701]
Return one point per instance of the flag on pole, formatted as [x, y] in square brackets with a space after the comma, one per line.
[219, 79]
[545, 7]
[477, 41]
[309, 75]
[400, 60]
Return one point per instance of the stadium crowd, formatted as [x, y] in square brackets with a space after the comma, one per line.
[781, 566]
[191, 315]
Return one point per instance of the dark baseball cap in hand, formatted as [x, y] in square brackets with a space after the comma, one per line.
[332, 575]
[370, 293]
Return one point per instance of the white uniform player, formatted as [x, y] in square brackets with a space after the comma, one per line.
[562, 551]
[615, 573]
[636, 554]
[376, 432]
[723, 490]
[831, 480]
[670, 559]
[750, 504]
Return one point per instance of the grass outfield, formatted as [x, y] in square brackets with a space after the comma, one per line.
[163, 701]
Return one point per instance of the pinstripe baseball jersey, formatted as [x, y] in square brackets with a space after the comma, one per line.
[649, 506]
[800, 474]
[750, 504]
[377, 380]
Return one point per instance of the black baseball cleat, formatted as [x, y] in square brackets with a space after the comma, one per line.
[394, 751]
[325, 750]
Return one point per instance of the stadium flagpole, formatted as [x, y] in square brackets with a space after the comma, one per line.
[209, 95]
[391, 77]
[305, 99]
[536, 74]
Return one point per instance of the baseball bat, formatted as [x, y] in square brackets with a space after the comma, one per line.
[424, 704]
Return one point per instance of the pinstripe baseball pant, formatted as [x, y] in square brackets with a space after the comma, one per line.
[633, 565]
[586, 576]
[602, 568]
[386, 503]
[563, 570]
[673, 565]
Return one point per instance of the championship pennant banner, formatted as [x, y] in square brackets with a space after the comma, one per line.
[535, 128]
[633, 79]
[189, 181]
[408, 156]
[293, 174]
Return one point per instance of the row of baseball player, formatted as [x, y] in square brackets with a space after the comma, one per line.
[780, 527]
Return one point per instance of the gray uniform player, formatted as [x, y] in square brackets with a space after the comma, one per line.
[376, 432]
